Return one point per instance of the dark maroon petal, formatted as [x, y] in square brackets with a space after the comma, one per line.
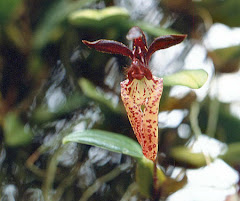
[163, 42]
[109, 46]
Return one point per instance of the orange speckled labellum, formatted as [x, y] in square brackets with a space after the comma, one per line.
[141, 99]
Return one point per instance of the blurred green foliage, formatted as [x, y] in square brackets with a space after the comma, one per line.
[6, 10]
[16, 133]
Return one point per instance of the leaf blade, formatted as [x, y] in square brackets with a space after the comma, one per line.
[106, 140]
[54, 16]
[98, 18]
[194, 79]
[16, 133]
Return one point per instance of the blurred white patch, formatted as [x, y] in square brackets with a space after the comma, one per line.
[179, 91]
[163, 62]
[69, 156]
[207, 145]
[213, 182]
[101, 156]
[221, 36]
[226, 87]
[184, 131]
[112, 75]
[86, 175]
[171, 119]
[98, 155]
[80, 126]
[55, 98]
[139, 8]
[89, 118]
[9, 192]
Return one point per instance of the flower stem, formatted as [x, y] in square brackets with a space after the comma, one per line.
[195, 108]
[156, 190]
[213, 117]
[105, 178]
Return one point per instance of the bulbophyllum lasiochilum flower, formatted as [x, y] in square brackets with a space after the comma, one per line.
[141, 91]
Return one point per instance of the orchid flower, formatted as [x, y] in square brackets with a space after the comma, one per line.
[141, 91]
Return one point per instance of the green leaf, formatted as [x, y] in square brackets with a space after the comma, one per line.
[93, 17]
[194, 79]
[185, 155]
[106, 140]
[7, 8]
[153, 30]
[144, 176]
[49, 26]
[90, 91]
[226, 12]
[228, 125]
[232, 156]
[114, 16]
[226, 60]
[171, 185]
[15, 132]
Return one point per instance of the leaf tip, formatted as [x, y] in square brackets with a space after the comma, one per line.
[64, 141]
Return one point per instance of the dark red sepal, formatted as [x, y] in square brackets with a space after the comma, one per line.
[164, 42]
[109, 46]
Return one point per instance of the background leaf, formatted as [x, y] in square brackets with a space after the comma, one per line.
[93, 17]
[226, 60]
[153, 30]
[106, 140]
[144, 176]
[227, 12]
[232, 154]
[194, 79]
[15, 132]
[112, 16]
[185, 155]
[7, 8]
[53, 17]
[90, 91]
